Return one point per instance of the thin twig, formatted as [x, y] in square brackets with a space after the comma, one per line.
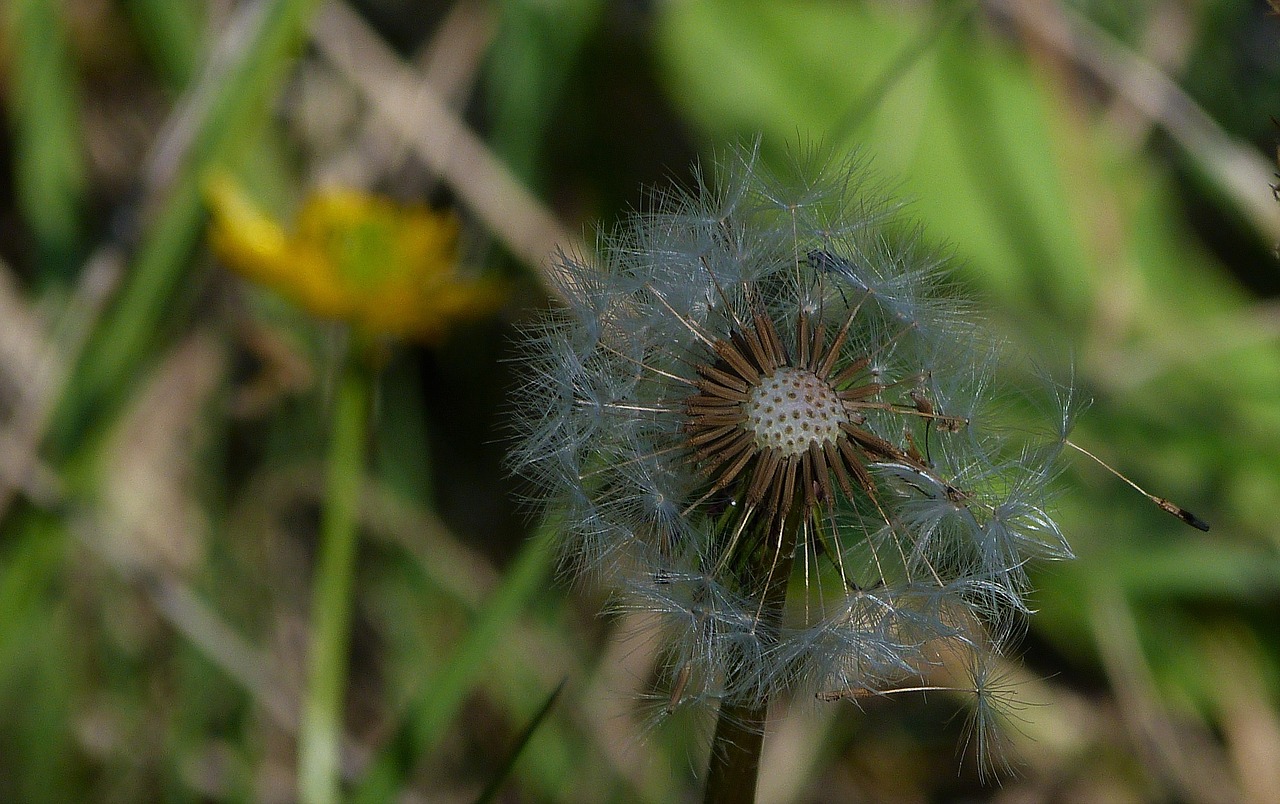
[189, 615]
[38, 394]
[449, 63]
[1182, 757]
[173, 143]
[442, 139]
[1239, 170]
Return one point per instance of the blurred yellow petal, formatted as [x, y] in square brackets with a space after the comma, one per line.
[384, 268]
[243, 237]
[313, 285]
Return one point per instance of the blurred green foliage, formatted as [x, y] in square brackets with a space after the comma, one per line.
[158, 543]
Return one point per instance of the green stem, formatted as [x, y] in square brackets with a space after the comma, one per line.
[320, 735]
[739, 738]
[735, 753]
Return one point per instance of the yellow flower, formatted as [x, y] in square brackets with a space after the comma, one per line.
[354, 257]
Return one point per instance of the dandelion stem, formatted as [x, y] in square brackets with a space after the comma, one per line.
[739, 738]
[735, 753]
[319, 749]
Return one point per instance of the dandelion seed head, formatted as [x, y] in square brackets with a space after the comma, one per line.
[768, 419]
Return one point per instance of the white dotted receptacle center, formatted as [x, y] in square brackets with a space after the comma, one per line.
[792, 408]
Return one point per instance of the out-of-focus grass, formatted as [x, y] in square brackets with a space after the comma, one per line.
[223, 118]
[156, 566]
[48, 165]
[172, 32]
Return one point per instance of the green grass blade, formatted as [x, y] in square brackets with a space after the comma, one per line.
[440, 698]
[233, 119]
[536, 46]
[492, 789]
[49, 151]
[172, 32]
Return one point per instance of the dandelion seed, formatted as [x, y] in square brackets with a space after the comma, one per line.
[763, 410]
